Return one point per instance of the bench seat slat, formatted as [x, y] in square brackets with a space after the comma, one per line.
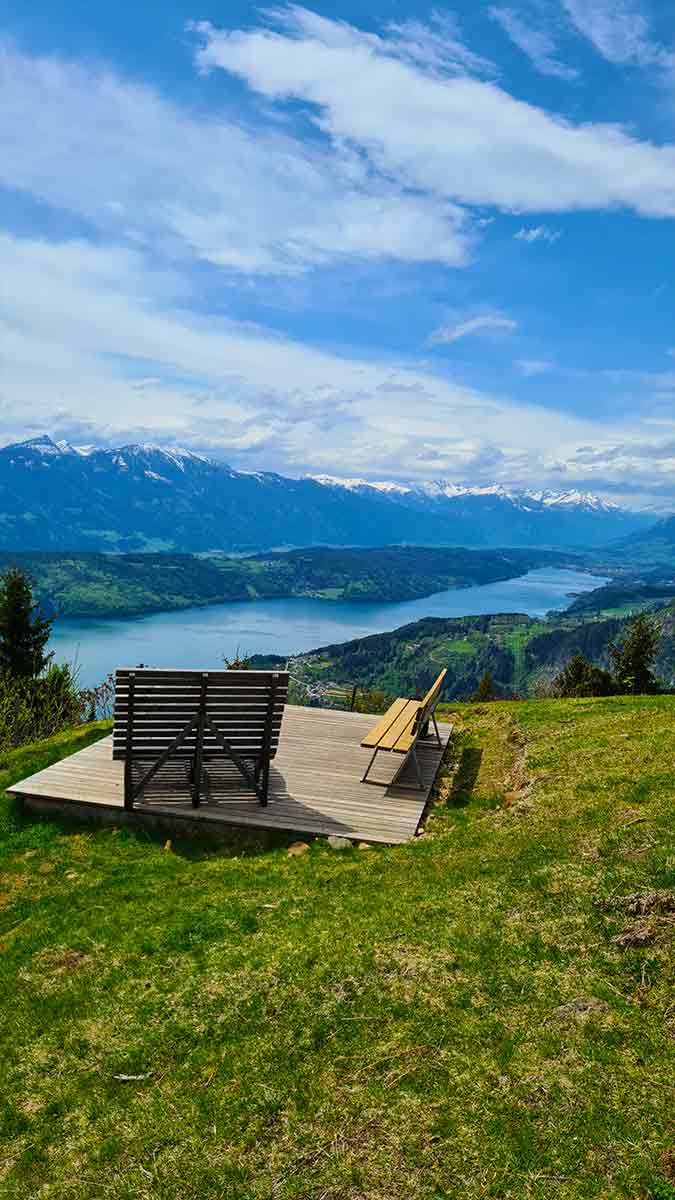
[385, 722]
[394, 727]
[400, 727]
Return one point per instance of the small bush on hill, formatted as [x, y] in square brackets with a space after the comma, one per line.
[579, 677]
[372, 701]
[37, 699]
[633, 656]
[98, 703]
[485, 690]
[32, 709]
[24, 632]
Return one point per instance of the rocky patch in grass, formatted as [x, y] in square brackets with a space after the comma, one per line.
[578, 1009]
[640, 903]
[656, 912]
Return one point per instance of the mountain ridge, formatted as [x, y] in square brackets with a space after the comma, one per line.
[54, 495]
[443, 488]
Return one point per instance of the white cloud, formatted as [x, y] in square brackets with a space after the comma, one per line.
[90, 353]
[137, 166]
[537, 233]
[620, 31]
[483, 323]
[529, 367]
[105, 338]
[456, 137]
[437, 45]
[537, 44]
[88, 347]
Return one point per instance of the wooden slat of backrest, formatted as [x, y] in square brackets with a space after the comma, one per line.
[165, 701]
[427, 705]
[434, 691]
[432, 695]
[223, 678]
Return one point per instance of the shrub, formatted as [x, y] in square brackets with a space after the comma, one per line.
[31, 709]
[372, 701]
[485, 690]
[634, 654]
[579, 677]
[24, 632]
[97, 703]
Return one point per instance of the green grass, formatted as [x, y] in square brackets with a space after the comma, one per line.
[342, 1025]
[459, 646]
[17, 764]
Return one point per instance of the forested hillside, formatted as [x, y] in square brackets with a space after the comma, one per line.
[521, 653]
[124, 585]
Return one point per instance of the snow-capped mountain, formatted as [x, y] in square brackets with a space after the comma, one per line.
[441, 489]
[62, 497]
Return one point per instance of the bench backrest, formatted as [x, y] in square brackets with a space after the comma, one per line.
[246, 706]
[430, 701]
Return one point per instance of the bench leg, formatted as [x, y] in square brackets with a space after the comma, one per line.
[364, 778]
[409, 787]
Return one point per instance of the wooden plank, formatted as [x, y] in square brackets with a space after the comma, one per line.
[394, 714]
[243, 711]
[152, 695]
[167, 674]
[434, 691]
[400, 734]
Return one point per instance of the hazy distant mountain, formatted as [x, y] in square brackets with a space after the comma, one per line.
[652, 546]
[56, 496]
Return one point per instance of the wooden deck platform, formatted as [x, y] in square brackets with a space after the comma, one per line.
[315, 786]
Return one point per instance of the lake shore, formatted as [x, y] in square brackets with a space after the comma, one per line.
[204, 636]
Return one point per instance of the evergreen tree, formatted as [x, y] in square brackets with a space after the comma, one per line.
[634, 655]
[24, 632]
[485, 689]
[579, 677]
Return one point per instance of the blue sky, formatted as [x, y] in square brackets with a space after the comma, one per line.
[373, 240]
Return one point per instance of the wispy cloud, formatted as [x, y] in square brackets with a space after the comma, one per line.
[537, 233]
[537, 44]
[255, 200]
[89, 345]
[530, 367]
[436, 44]
[131, 333]
[456, 137]
[481, 324]
[620, 31]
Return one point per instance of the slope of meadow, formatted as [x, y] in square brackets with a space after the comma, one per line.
[487, 1012]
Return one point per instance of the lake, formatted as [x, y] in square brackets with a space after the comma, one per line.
[201, 637]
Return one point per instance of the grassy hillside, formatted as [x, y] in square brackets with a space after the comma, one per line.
[81, 585]
[622, 597]
[518, 651]
[487, 1012]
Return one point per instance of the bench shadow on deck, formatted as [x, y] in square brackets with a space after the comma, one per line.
[315, 786]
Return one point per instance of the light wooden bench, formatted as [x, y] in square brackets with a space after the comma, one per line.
[197, 717]
[400, 729]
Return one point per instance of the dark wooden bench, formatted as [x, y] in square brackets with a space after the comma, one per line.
[400, 729]
[197, 717]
